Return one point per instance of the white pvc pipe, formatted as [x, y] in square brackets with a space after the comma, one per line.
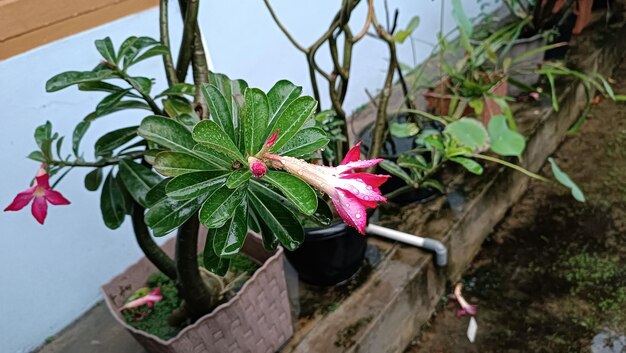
[441, 253]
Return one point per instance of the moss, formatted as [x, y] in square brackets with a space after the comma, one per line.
[154, 320]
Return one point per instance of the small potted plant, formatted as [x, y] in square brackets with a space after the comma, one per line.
[226, 160]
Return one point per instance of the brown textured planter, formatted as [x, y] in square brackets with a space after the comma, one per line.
[256, 320]
[440, 103]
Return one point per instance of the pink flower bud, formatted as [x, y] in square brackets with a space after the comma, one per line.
[270, 141]
[258, 168]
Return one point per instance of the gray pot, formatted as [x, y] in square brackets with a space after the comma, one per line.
[257, 319]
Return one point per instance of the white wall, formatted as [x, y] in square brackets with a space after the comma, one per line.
[51, 274]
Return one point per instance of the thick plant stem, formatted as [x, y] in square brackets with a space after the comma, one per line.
[200, 73]
[199, 300]
[168, 63]
[190, 9]
[153, 252]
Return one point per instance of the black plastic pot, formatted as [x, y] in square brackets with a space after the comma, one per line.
[392, 148]
[330, 255]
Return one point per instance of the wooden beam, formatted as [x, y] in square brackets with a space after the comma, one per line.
[26, 24]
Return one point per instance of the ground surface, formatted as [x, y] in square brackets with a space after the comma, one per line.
[552, 276]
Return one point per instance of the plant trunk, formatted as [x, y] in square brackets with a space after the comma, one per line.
[153, 252]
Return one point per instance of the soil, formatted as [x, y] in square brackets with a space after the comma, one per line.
[552, 275]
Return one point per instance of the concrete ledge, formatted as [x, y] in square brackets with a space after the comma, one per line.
[387, 311]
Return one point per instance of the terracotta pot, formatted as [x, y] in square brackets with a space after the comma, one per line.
[440, 103]
[256, 319]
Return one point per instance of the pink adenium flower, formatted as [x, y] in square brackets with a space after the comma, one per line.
[40, 193]
[257, 167]
[351, 192]
[466, 308]
[148, 299]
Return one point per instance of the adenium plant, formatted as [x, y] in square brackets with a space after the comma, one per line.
[230, 160]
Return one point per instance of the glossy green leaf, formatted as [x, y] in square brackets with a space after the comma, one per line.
[177, 105]
[69, 78]
[279, 97]
[102, 86]
[166, 133]
[292, 119]
[238, 177]
[43, 133]
[401, 35]
[131, 48]
[305, 142]
[93, 179]
[112, 203]
[220, 112]
[167, 215]
[138, 180]
[468, 164]
[157, 193]
[255, 117]
[141, 84]
[211, 135]
[403, 129]
[191, 185]
[36, 156]
[110, 101]
[179, 89]
[396, 170]
[77, 136]
[114, 139]
[211, 261]
[469, 132]
[296, 190]
[177, 163]
[504, 141]
[218, 160]
[158, 49]
[220, 206]
[105, 48]
[277, 220]
[229, 238]
[566, 181]
[119, 106]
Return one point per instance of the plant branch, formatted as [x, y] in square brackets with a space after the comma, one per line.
[153, 106]
[200, 72]
[190, 8]
[284, 29]
[168, 63]
[512, 166]
[153, 252]
[98, 164]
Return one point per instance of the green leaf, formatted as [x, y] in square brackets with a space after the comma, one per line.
[119, 106]
[566, 181]
[229, 238]
[110, 101]
[112, 203]
[43, 133]
[279, 97]
[114, 139]
[177, 105]
[166, 133]
[296, 190]
[504, 141]
[276, 220]
[211, 135]
[158, 49]
[179, 89]
[93, 179]
[77, 136]
[141, 84]
[292, 119]
[101, 86]
[211, 261]
[220, 206]
[255, 117]
[167, 215]
[138, 180]
[238, 177]
[191, 185]
[402, 130]
[105, 48]
[305, 142]
[69, 78]
[461, 19]
[218, 160]
[36, 156]
[401, 35]
[157, 193]
[219, 108]
[468, 164]
[131, 48]
[469, 132]
[177, 163]
[395, 169]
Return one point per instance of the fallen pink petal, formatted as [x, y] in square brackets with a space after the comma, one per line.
[466, 308]
[350, 192]
[148, 299]
[40, 193]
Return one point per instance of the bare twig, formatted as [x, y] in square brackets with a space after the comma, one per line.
[190, 8]
[168, 63]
